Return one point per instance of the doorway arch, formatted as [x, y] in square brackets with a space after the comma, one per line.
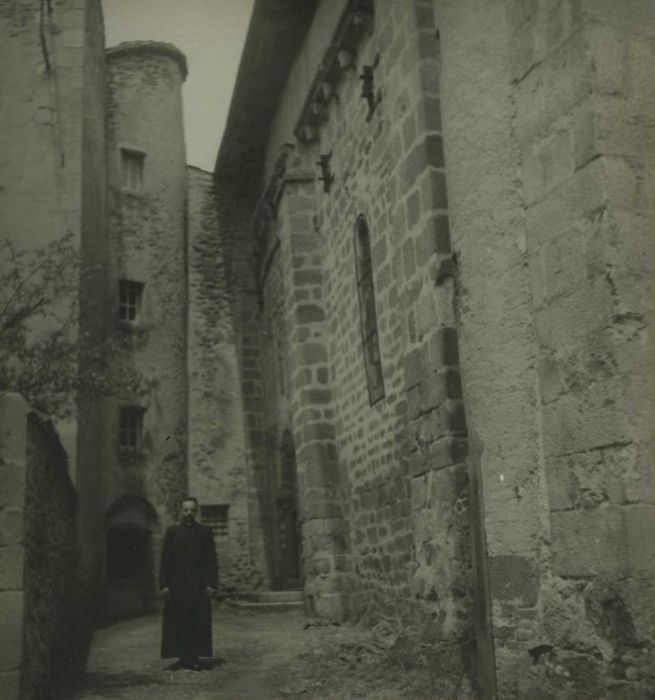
[288, 541]
[130, 578]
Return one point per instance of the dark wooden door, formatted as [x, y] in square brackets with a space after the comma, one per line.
[288, 544]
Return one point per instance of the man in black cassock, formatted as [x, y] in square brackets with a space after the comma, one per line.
[188, 578]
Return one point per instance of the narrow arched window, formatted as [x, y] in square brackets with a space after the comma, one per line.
[367, 314]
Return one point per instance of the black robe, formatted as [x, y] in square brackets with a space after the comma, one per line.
[188, 566]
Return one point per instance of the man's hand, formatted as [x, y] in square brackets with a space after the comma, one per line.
[166, 592]
[210, 591]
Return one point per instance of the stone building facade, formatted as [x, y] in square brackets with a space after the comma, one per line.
[218, 471]
[448, 317]
[93, 147]
[398, 343]
[144, 450]
[164, 299]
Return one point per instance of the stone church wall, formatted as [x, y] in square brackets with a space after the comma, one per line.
[383, 487]
[547, 179]
[503, 484]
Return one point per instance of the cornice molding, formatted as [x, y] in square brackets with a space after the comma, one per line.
[355, 22]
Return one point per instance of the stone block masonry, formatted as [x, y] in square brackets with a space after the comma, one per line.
[13, 437]
[402, 460]
[379, 486]
[311, 406]
[218, 474]
[145, 252]
[46, 628]
[57, 623]
[234, 215]
[561, 429]
[498, 479]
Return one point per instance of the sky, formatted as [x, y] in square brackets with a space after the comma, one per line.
[211, 34]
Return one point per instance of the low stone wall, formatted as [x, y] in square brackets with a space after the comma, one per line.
[13, 430]
[42, 610]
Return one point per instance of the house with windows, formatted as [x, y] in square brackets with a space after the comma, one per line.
[166, 306]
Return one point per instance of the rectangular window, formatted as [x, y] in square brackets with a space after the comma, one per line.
[216, 517]
[132, 170]
[129, 300]
[130, 428]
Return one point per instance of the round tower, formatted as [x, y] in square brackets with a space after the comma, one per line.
[145, 435]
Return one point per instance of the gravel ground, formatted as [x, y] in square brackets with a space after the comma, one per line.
[251, 652]
[268, 656]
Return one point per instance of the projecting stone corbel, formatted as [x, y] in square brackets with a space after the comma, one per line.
[356, 21]
[364, 20]
[307, 134]
[327, 177]
[445, 269]
[345, 58]
[372, 96]
[327, 90]
[319, 110]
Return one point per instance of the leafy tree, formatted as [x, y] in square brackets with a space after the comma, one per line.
[43, 353]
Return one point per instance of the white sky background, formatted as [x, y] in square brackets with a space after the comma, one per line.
[211, 34]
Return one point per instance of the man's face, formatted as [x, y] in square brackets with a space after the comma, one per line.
[189, 511]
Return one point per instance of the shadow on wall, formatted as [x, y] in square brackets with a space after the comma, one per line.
[57, 617]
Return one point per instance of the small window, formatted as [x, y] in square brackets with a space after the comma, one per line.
[130, 428]
[132, 170]
[216, 517]
[367, 313]
[129, 300]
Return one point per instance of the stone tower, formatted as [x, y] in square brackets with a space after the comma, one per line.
[145, 430]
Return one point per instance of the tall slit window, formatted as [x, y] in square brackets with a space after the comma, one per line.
[129, 300]
[130, 428]
[367, 313]
[132, 170]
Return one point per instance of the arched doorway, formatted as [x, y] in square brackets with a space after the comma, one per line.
[288, 555]
[129, 557]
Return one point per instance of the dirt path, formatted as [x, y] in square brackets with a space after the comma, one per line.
[272, 656]
[253, 654]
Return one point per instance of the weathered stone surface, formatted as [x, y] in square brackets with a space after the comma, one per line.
[511, 306]
[11, 526]
[11, 640]
[57, 623]
[514, 579]
[589, 543]
[217, 459]
[10, 684]
[13, 410]
[12, 477]
[11, 568]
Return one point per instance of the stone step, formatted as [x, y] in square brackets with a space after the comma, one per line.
[292, 596]
[268, 601]
[250, 606]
